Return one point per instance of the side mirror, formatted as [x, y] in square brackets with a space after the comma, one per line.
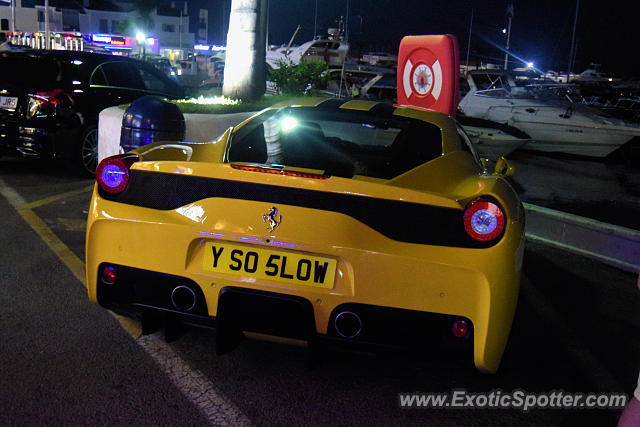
[485, 163]
[503, 167]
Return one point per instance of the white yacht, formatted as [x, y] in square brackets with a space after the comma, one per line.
[331, 49]
[491, 139]
[554, 125]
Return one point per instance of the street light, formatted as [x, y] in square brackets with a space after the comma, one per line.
[141, 38]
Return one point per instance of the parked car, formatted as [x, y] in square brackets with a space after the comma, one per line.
[50, 100]
[160, 62]
[355, 222]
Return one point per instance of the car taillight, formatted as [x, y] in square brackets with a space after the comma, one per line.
[46, 102]
[484, 220]
[112, 173]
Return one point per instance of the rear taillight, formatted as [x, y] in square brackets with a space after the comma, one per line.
[484, 220]
[47, 102]
[112, 174]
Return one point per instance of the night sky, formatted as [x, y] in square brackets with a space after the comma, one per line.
[606, 32]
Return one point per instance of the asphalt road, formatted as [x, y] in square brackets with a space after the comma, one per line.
[67, 361]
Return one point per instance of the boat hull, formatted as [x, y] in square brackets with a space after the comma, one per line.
[494, 143]
[584, 141]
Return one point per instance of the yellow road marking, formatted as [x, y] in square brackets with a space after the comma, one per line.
[62, 251]
[72, 262]
[73, 224]
[192, 383]
[57, 197]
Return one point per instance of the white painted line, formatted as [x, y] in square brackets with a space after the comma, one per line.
[193, 384]
[11, 195]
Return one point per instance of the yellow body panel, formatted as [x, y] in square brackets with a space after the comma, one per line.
[480, 284]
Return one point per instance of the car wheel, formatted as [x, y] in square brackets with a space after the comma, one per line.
[87, 152]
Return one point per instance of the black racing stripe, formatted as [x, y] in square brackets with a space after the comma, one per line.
[330, 104]
[401, 221]
[383, 109]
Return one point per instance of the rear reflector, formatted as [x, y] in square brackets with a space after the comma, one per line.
[460, 328]
[109, 275]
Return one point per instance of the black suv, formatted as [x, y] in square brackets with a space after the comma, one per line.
[50, 100]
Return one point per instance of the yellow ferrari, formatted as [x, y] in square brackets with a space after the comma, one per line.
[316, 219]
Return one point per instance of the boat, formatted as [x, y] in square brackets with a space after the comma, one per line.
[331, 49]
[360, 81]
[381, 59]
[554, 124]
[491, 139]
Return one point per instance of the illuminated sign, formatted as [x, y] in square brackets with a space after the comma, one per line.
[214, 48]
[101, 39]
[107, 40]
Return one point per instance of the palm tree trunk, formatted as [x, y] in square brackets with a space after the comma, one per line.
[244, 71]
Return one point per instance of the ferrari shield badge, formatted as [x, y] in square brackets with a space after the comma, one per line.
[270, 218]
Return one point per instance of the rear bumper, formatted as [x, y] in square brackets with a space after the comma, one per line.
[37, 138]
[140, 293]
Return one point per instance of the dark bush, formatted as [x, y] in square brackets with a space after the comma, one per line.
[298, 79]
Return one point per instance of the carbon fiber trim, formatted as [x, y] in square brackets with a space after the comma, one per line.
[401, 221]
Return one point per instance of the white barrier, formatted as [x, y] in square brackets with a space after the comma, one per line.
[607, 243]
[199, 128]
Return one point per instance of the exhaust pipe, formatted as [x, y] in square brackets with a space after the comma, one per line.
[183, 298]
[348, 324]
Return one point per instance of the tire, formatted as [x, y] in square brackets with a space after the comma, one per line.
[86, 153]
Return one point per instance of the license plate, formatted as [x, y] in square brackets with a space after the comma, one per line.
[259, 263]
[8, 102]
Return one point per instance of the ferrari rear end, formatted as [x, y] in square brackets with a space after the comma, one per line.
[316, 220]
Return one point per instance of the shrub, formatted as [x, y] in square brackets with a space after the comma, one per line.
[297, 79]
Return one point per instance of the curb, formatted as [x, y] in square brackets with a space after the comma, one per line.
[611, 244]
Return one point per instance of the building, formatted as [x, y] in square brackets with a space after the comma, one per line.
[169, 26]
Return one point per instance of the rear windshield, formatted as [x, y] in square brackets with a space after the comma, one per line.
[30, 73]
[341, 143]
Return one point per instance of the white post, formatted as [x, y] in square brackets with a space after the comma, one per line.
[47, 40]
[13, 16]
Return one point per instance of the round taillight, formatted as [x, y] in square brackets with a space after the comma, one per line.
[460, 328]
[112, 174]
[483, 220]
[109, 275]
